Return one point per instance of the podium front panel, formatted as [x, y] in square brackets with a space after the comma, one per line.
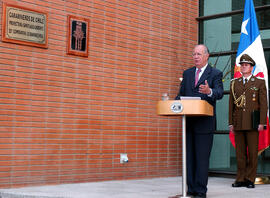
[185, 107]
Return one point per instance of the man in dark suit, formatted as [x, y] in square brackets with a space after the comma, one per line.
[203, 81]
[247, 93]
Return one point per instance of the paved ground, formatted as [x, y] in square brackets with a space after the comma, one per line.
[147, 188]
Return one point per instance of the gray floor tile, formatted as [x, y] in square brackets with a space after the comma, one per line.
[146, 188]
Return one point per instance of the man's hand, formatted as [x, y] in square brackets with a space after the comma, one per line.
[204, 89]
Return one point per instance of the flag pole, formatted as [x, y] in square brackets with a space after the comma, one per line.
[262, 180]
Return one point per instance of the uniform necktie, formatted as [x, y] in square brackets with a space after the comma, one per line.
[246, 80]
[197, 76]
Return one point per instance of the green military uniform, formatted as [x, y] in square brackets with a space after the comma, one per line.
[244, 98]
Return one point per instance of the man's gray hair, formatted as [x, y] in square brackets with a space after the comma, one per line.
[206, 50]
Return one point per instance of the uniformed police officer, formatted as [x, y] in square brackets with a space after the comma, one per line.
[247, 93]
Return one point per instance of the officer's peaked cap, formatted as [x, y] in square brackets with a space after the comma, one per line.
[247, 59]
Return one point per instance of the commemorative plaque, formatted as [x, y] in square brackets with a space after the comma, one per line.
[77, 38]
[24, 26]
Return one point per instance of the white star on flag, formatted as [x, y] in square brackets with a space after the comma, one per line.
[244, 27]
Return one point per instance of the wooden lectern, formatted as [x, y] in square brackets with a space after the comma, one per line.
[184, 108]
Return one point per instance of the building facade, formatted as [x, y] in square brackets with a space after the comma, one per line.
[71, 106]
[66, 117]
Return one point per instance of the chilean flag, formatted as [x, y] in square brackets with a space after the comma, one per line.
[251, 44]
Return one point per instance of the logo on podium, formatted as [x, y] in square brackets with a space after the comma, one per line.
[177, 107]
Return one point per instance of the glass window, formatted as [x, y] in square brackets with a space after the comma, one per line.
[222, 34]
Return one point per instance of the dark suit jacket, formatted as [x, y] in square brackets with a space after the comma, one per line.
[202, 124]
[256, 99]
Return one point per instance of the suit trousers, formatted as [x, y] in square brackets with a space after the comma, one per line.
[246, 145]
[199, 147]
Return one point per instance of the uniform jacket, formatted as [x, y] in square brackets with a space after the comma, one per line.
[202, 124]
[256, 99]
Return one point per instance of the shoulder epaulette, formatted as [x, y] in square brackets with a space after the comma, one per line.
[258, 77]
[235, 78]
